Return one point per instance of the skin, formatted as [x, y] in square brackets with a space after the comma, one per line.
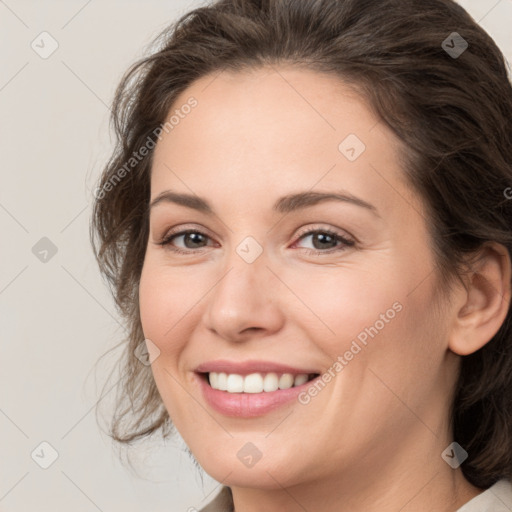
[372, 439]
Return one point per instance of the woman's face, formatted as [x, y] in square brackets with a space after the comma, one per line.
[343, 287]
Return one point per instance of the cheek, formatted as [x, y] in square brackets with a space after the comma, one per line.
[381, 310]
[151, 298]
[162, 304]
[343, 304]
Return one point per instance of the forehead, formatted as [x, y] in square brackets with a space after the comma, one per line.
[276, 128]
[254, 106]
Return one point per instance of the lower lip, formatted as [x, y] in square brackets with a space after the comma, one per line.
[248, 405]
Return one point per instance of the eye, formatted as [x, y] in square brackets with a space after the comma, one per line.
[326, 241]
[192, 238]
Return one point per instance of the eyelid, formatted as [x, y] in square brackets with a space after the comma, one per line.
[179, 228]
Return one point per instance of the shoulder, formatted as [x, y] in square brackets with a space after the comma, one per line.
[223, 502]
[498, 498]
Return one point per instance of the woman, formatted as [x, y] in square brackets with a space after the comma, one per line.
[307, 227]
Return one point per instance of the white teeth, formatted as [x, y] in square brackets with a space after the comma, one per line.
[255, 382]
[286, 381]
[222, 381]
[235, 383]
[271, 382]
[214, 380]
[300, 379]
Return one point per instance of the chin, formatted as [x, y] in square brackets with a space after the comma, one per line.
[235, 468]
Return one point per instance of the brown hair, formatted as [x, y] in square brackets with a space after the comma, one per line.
[453, 114]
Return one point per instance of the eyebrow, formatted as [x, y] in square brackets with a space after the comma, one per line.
[285, 204]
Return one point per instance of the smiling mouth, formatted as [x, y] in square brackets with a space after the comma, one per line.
[256, 382]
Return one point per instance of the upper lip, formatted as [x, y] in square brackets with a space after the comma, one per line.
[247, 367]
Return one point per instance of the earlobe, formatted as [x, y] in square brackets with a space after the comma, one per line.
[486, 301]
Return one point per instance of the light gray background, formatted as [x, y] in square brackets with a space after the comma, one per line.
[57, 317]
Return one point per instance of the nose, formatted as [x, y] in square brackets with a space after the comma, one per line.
[245, 302]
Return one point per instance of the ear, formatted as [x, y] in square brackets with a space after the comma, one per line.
[483, 305]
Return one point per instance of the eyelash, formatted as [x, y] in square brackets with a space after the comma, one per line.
[166, 241]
